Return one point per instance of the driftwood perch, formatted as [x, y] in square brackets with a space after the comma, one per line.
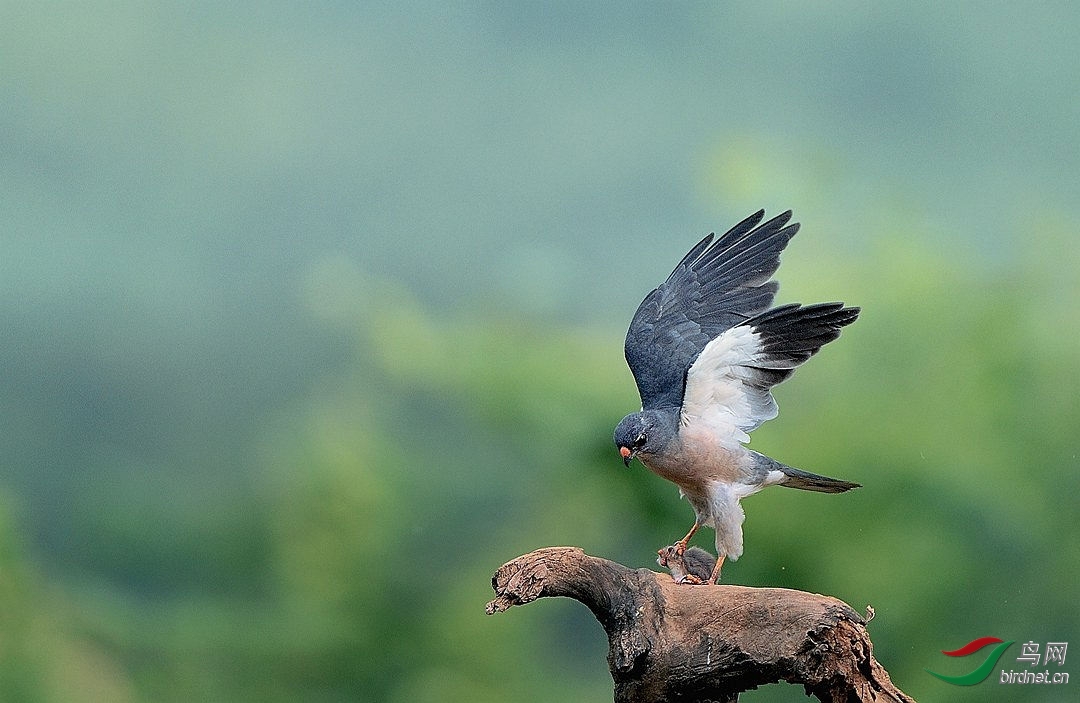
[671, 642]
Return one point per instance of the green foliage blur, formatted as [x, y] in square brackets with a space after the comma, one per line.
[308, 332]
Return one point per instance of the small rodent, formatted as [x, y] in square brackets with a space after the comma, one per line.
[695, 565]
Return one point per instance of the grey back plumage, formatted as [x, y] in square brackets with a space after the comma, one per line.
[717, 285]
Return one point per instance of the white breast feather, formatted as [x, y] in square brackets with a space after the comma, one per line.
[719, 393]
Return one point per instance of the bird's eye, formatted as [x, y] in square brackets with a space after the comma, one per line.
[641, 440]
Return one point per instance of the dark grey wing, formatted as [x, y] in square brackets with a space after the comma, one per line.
[716, 286]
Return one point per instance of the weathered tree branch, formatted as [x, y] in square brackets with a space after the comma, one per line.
[671, 642]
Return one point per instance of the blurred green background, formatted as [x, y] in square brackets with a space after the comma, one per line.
[312, 317]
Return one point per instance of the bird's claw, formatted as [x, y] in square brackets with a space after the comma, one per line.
[690, 579]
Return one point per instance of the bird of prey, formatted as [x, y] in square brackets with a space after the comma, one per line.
[706, 347]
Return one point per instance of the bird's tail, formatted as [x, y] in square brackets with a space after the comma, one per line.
[806, 481]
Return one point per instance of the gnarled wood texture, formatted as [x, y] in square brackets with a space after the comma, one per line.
[672, 642]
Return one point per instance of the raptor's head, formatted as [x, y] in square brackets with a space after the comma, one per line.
[646, 432]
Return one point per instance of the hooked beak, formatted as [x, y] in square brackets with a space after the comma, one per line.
[627, 455]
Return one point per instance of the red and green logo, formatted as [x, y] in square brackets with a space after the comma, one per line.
[984, 669]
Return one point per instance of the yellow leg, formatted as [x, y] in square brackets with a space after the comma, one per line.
[716, 571]
[680, 546]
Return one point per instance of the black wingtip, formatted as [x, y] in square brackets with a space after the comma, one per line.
[747, 224]
[779, 220]
[694, 254]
